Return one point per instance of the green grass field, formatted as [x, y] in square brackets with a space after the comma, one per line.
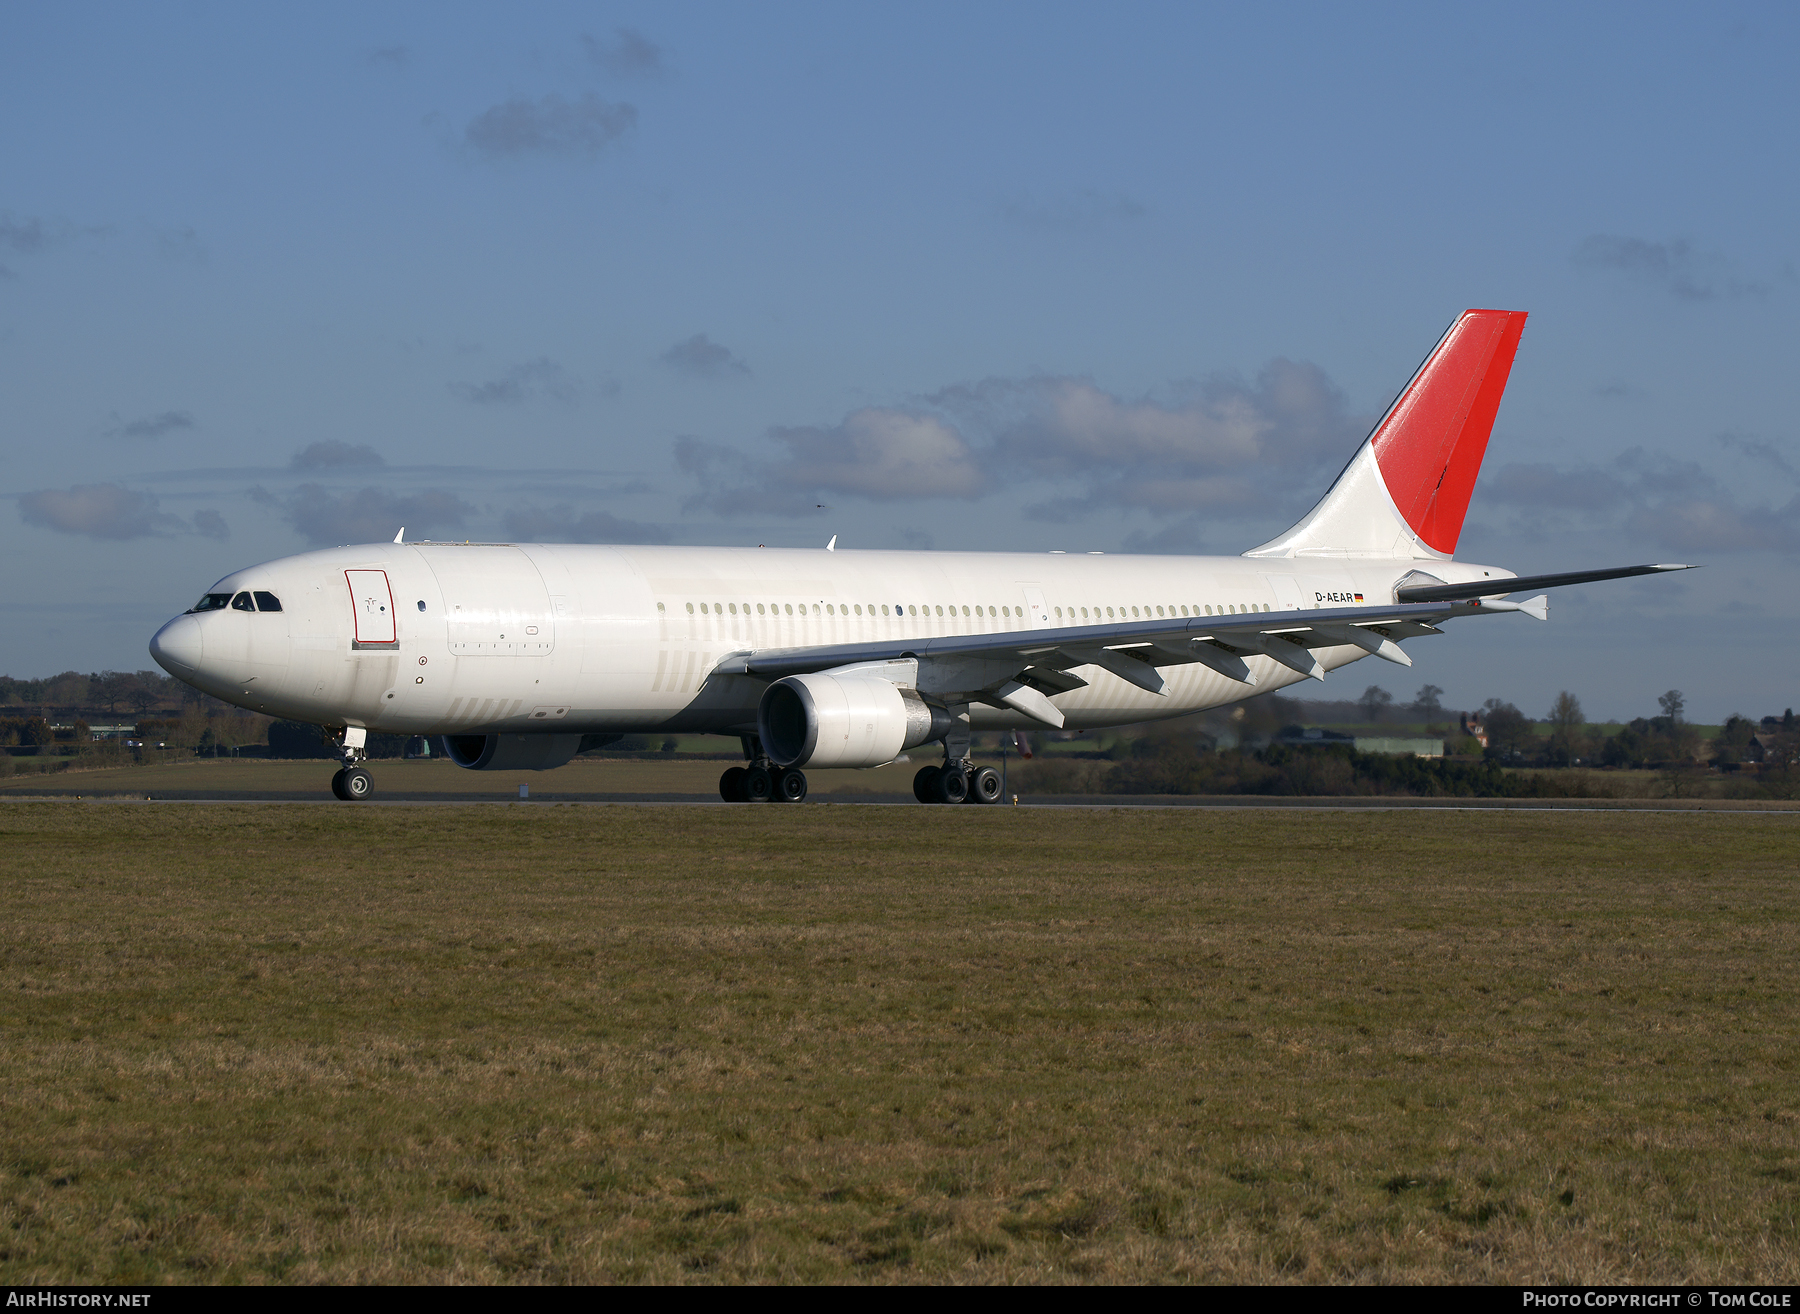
[551, 1044]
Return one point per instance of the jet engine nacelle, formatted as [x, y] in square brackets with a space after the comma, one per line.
[511, 752]
[843, 720]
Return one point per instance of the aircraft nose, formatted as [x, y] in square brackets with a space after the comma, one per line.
[176, 647]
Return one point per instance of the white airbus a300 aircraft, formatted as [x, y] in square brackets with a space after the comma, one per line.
[520, 655]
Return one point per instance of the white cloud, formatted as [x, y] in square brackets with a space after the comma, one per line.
[559, 524]
[542, 377]
[1291, 418]
[628, 54]
[578, 129]
[1674, 504]
[880, 454]
[370, 515]
[104, 511]
[1676, 267]
[701, 358]
[1231, 446]
[155, 426]
[334, 455]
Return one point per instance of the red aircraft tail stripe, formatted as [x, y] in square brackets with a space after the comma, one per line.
[1430, 444]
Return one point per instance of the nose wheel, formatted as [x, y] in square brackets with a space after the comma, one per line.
[353, 784]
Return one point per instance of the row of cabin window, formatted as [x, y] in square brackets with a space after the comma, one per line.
[220, 601]
[832, 609]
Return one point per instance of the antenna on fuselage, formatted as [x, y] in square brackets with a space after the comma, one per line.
[832, 546]
[401, 536]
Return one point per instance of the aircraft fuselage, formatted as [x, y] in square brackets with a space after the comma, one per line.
[462, 638]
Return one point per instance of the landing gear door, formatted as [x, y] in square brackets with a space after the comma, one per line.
[372, 602]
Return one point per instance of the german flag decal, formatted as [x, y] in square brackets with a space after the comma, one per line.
[1359, 597]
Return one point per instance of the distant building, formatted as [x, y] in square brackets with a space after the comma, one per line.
[1399, 747]
[1772, 749]
[1301, 736]
[1475, 728]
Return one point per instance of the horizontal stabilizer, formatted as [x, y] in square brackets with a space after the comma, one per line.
[1435, 591]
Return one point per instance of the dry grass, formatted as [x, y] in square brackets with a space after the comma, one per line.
[555, 1044]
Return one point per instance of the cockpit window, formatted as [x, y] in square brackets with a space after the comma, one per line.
[213, 602]
[267, 601]
[242, 603]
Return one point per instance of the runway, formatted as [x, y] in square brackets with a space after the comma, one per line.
[694, 783]
[1122, 802]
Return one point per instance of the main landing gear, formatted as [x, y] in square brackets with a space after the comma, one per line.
[762, 781]
[957, 782]
[353, 783]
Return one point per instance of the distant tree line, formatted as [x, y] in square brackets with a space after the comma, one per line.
[1186, 767]
[1664, 740]
[25, 731]
[1169, 766]
[1183, 757]
[115, 693]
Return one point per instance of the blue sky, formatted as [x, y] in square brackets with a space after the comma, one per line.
[943, 276]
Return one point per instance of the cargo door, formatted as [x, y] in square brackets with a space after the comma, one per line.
[495, 602]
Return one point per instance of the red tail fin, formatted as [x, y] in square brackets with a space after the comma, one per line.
[1430, 444]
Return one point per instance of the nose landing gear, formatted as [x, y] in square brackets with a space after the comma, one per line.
[353, 783]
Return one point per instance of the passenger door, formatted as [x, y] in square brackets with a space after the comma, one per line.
[372, 606]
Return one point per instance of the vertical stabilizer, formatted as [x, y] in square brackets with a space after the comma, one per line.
[1406, 491]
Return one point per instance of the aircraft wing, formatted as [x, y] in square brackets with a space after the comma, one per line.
[1023, 668]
